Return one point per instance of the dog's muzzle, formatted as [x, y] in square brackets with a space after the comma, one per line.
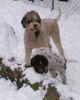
[37, 30]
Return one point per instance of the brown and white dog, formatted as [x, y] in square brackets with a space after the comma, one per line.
[38, 32]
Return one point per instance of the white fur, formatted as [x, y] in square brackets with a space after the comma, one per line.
[56, 63]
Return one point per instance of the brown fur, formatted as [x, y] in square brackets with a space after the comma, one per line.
[38, 32]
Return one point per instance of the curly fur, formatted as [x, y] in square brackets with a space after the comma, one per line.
[49, 60]
[40, 64]
[38, 32]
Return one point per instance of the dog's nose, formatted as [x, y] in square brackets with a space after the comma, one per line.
[35, 25]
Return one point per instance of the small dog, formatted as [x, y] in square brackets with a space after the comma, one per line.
[38, 32]
[40, 64]
[43, 59]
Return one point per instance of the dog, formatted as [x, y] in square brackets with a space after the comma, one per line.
[38, 32]
[40, 63]
[43, 59]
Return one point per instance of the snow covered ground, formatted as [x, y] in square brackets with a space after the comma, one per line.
[11, 45]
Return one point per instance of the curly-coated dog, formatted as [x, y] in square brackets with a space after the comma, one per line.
[43, 59]
[40, 63]
[38, 32]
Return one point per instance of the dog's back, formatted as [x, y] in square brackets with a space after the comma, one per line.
[51, 25]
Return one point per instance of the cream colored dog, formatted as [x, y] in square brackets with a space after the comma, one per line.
[38, 32]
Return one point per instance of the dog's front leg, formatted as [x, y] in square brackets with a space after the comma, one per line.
[27, 57]
[63, 76]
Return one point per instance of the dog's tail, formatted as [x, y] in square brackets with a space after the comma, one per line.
[70, 61]
[59, 15]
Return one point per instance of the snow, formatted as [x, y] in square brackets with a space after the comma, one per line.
[70, 40]
[32, 76]
[8, 92]
[12, 45]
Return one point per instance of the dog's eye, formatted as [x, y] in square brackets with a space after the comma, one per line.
[28, 21]
[38, 21]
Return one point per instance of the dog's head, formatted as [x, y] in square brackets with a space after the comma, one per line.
[32, 21]
[40, 64]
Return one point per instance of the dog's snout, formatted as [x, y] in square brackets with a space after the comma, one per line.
[35, 25]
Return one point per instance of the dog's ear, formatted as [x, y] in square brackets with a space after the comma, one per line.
[33, 61]
[23, 21]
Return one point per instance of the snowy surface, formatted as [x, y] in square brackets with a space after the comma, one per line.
[11, 45]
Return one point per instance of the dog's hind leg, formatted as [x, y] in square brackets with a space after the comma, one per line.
[63, 76]
[55, 34]
[59, 47]
[57, 41]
